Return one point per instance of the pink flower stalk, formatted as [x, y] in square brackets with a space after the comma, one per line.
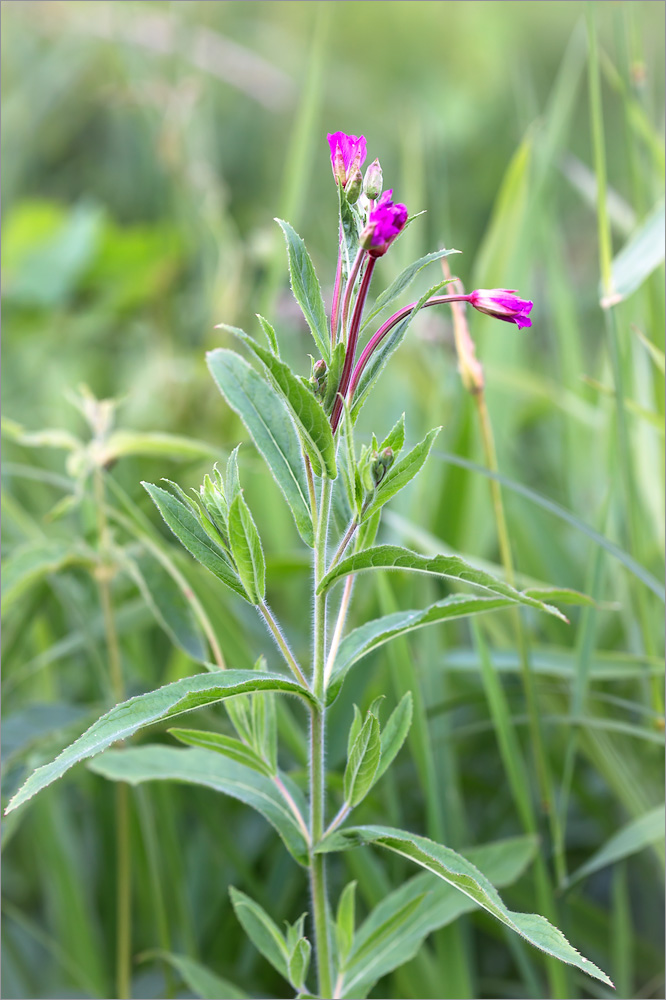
[348, 154]
[386, 221]
[502, 303]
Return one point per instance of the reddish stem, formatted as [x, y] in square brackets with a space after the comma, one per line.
[351, 341]
[392, 321]
[335, 307]
[349, 290]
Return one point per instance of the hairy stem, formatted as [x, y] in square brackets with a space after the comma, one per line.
[317, 763]
[289, 657]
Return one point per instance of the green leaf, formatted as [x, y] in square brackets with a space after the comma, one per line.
[631, 838]
[306, 289]
[299, 962]
[171, 609]
[188, 530]
[311, 421]
[227, 745]
[403, 281]
[266, 418]
[381, 355]
[348, 466]
[401, 473]
[201, 981]
[334, 375]
[262, 931]
[395, 439]
[370, 636]
[246, 550]
[122, 443]
[345, 921]
[642, 254]
[439, 905]
[393, 557]
[395, 732]
[30, 563]
[463, 875]
[363, 762]
[155, 706]
[270, 335]
[156, 762]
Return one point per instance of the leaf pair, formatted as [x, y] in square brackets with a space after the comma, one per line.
[289, 954]
[370, 751]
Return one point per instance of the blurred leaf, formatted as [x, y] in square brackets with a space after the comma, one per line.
[46, 250]
[368, 637]
[189, 531]
[345, 922]
[154, 706]
[155, 762]
[394, 557]
[167, 602]
[262, 931]
[246, 549]
[266, 418]
[307, 290]
[439, 904]
[401, 473]
[122, 443]
[204, 984]
[299, 963]
[309, 417]
[640, 256]
[631, 838]
[463, 875]
[49, 437]
[29, 564]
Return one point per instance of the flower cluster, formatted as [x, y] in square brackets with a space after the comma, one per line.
[380, 222]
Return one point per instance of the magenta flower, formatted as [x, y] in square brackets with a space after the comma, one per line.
[502, 303]
[386, 220]
[348, 154]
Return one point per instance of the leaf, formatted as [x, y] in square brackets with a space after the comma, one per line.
[640, 256]
[188, 530]
[262, 931]
[345, 921]
[154, 706]
[122, 443]
[368, 637]
[266, 418]
[463, 875]
[30, 563]
[348, 466]
[299, 963]
[393, 557]
[306, 289]
[395, 732]
[381, 355]
[363, 762]
[156, 762]
[333, 376]
[404, 280]
[270, 335]
[395, 439]
[350, 224]
[246, 550]
[200, 980]
[227, 745]
[165, 599]
[440, 904]
[631, 838]
[309, 417]
[401, 473]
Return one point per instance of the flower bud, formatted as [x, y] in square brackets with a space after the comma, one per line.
[354, 185]
[318, 378]
[386, 221]
[387, 458]
[373, 181]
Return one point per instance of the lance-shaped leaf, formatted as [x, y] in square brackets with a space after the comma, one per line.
[459, 872]
[262, 931]
[403, 281]
[345, 921]
[246, 550]
[370, 636]
[636, 835]
[188, 530]
[306, 288]
[198, 978]
[154, 706]
[395, 732]
[156, 762]
[393, 557]
[265, 415]
[309, 416]
[381, 355]
[363, 761]
[383, 943]
[220, 743]
[401, 473]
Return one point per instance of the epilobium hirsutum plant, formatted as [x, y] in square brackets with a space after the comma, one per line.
[304, 426]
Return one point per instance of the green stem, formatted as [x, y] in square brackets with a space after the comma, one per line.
[317, 753]
[123, 857]
[282, 644]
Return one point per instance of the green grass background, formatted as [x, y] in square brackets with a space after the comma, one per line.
[146, 149]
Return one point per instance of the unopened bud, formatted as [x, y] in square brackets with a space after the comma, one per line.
[354, 185]
[373, 181]
[377, 468]
[319, 377]
[387, 458]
